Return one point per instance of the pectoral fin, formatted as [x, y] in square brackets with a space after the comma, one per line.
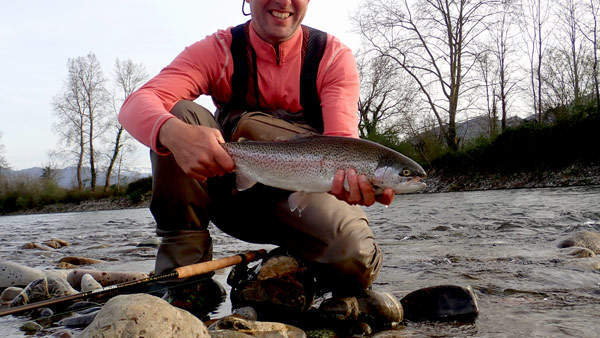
[298, 201]
[243, 181]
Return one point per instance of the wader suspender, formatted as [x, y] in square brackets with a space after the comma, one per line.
[245, 95]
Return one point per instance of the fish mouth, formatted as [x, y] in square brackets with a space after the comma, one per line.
[411, 185]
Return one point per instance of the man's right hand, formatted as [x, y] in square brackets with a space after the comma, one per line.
[197, 149]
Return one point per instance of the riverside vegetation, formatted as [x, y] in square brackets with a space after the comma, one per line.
[559, 153]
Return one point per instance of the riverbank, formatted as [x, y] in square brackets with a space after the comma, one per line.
[437, 181]
[574, 175]
[111, 203]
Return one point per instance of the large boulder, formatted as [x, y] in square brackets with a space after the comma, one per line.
[142, 315]
[15, 274]
[104, 277]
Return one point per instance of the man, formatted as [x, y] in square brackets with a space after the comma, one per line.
[192, 184]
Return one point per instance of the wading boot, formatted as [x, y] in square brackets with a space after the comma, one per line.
[199, 296]
[278, 286]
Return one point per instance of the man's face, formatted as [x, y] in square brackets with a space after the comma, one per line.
[277, 20]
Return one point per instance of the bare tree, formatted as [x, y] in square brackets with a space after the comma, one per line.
[385, 96]
[69, 107]
[487, 67]
[569, 18]
[502, 37]
[433, 41]
[79, 109]
[3, 161]
[128, 77]
[534, 17]
[96, 99]
[590, 31]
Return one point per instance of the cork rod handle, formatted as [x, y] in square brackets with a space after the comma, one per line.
[205, 267]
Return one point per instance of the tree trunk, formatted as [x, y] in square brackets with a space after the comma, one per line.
[113, 158]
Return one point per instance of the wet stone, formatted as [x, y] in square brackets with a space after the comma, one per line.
[55, 243]
[442, 303]
[584, 239]
[31, 326]
[10, 293]
[79, 321]
[581, 252]
[14, 274]
[32, 245]
[65, 265]
[257, 329]
[80, 260]
[82, 305]
[42, 289]
[41, 313]
[88, 283]
[152, 242]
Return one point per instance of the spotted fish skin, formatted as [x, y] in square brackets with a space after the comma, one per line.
[308, 164]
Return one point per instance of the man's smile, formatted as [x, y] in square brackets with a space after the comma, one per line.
[280, 15]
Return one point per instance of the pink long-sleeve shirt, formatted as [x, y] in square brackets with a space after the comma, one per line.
[206, 68]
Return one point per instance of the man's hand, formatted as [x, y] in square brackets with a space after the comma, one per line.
[197, 149]
[361, 191]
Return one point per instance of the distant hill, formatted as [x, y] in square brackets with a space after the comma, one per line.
[66, 177]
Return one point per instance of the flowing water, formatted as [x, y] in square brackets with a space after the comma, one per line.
[503, 243]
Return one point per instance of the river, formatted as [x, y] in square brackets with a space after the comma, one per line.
[503, 243]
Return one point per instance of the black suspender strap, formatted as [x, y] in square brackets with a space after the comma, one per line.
[314, 43]
[244, 78]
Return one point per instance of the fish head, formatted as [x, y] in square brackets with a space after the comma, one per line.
[400, 173]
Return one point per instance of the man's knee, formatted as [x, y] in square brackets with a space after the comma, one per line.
[193, 113]
[356, 259]
[260, 126]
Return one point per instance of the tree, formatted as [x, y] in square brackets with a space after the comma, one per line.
[502, 38]
[69, 108]
[433, 41]
[590, 31]
[128, 77]
[80, 109]
[534, 17]
[3, 161]
[385, 96]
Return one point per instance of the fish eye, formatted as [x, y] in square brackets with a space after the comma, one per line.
[405, 172]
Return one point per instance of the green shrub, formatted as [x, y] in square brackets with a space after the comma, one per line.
[138, 189]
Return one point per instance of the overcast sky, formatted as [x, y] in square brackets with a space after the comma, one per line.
[37, 38]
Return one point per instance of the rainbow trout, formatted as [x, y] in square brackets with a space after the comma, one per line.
[308, 164]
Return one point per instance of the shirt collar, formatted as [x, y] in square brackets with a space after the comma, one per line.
[288, 49]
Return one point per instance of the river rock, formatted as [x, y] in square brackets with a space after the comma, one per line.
[584, 239]
[66, 266]
[152, 242]
[442, 303]
[31, 326]
[105, 278]
[9, 294]
[580, 252]
[14, 274]
[57, 273]
[79, 321]
[33, 245]
[88, 283]
[79, 260]
[55, 243]
[256, 329]
[42, 289]
[142, 315]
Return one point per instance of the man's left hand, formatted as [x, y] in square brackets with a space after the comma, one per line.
[361, 191]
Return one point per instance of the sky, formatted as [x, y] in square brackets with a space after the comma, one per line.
[37, 37]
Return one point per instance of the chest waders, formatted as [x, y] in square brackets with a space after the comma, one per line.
[245, 94]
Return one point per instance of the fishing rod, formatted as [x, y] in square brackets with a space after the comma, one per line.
[178, 273]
